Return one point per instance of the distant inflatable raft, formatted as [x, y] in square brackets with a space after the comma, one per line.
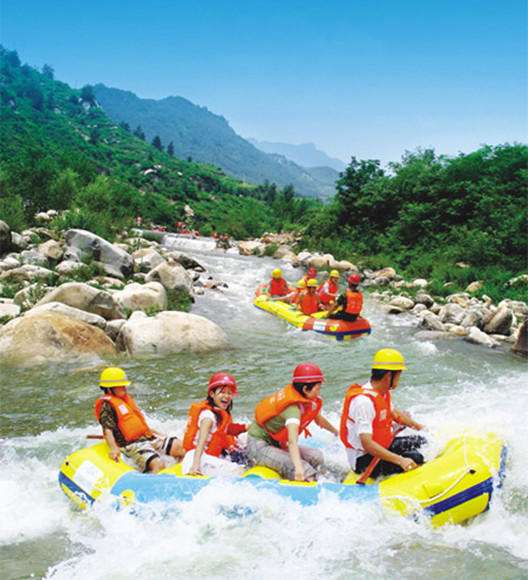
[452, 488]
[340, 329]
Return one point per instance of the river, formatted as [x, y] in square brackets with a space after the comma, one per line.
[449, 385]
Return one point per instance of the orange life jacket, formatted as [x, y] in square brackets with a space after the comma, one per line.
[220, 439]
[275, 404]
[328, 291]
[130, 420]
[278, 287]
[354, 302]
[309, 303]
[382, 424]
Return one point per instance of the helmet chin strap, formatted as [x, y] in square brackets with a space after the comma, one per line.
[391, 387]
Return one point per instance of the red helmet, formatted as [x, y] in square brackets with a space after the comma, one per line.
[312, 272]
[222, 379]
[354, 279]
[307, 373]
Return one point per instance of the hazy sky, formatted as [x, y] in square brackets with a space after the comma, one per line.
[357, 77]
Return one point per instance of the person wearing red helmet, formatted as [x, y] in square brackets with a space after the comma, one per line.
[280, 418]
[311, 273]
[349, 304]
[210, 433]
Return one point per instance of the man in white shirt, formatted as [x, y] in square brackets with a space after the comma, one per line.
[367, 422]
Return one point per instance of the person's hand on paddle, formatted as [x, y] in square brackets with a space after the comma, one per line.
[114, 454]
[299, 474]
[407, 464]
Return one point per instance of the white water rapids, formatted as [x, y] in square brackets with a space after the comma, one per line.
[450, 386]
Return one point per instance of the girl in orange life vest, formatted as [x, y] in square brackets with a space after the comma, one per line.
[329, 290]
[309, 302]
[210, 432]
[125, 429]
[278, 287]
[273, 436]
[350, 303]
[367, 420]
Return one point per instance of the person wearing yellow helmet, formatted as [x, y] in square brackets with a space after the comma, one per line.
[125, 428]
[310, 303]
[368, 420]
[329, 290]
[278, 287]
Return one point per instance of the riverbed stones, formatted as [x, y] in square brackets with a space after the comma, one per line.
[172, 276]
[452, 313]
[9, 263]
[474, 286]
[51, 250]
[521, 344]
[402, 302]
[84, 297]
[389, 273]
[501, 322]
[145, 297]
[171, 332]
[433, 335]
[86, 245]
[65, 310]
[18, 242]
[27, 273]
[51, 337]
[8, 310]
[251, 248]
[476, 336]
[33, 257]
[431, 321]
[5, 238]
[419, 283]
[147, 259]
[425, 299]
[113, 328]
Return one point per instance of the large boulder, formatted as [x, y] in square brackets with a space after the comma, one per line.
[69, 267]
[521, 344]
[27, 273]
[150, 296]
[402, 302]
[501, 322]
[9, 263]
[18, 242]
[34, 257]
[425, 299]
[389, 273]
[317, 261]
[50, 337]
[476, 336]
[461, 298]
[186, 261]
[147, 259]
[84, 297]
[8, 310]
[64, 309]
[474, 316]
[171, 275]
[452, 313]
[344, 266]
[251, 248]
[171, 332]
[51, 250]
[5, 238]
[419, 283]
[518, 307]
[282, 252]
[431, 321]
[85, 245]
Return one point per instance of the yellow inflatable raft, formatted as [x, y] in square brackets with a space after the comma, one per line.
[452, 488]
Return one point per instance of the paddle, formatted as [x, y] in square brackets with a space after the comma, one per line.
[94, 437]
[375, 460]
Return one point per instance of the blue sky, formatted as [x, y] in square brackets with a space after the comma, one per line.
[369, 78]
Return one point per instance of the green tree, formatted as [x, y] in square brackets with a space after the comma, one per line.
[170, 149]
[88, 95]
[156, 142]
[48, 71]
[138, 132]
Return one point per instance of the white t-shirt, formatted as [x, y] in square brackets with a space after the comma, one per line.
[206, 414]
[361, 415]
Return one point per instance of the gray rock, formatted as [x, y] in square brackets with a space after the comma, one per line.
[30, 295]
[5, 238]
[501, 322]
[474, 286]
[425, 299]
[521, 344]
[419, 308]
[142, 297]
[251, 248]
[419, 283]
[476, 336]
[147, 259]
[67, 267]
[389, 273]
[452, 313]
[456, 329]
[27, 273]
[51, 250]
[380, 281]
[433, 335]
[116, 261]
[172, 276]
[461, 298]
[402, 302]
[113, 328]
[390, 309]
[518, 307]
[33, 257]
[8, 310]
[431, 321]
[473, 317]
[9, 263]
[18, 242]
[435, 308]
[64, 309]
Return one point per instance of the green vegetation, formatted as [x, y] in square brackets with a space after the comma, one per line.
[429, 212]
[60, 151]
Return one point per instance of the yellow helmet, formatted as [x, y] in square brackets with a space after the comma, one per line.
[312, 283]
[334, 274]
[389, 359]
[277, 273]
[113, 377]
[301, 283]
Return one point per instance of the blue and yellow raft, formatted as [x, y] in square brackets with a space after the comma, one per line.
[452, 488]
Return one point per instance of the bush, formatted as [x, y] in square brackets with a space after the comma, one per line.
[12, 212]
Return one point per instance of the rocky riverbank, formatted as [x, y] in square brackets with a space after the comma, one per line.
[73, 295]
[458, 315]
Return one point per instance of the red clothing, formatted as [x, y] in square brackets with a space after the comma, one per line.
[309, 303]
[328, 291]
[278, 287]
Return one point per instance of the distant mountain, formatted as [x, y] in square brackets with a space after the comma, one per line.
[306, 155]
[197, 133]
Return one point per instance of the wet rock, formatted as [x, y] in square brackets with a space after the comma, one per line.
[65, 310]
[51, 337]
[150, 296]
[28, 273]
[431, 321]
[172, 276]
[402, 302]
[475, 286]
[521, 345]
[452, 313]
[5, 238]
[304, 256]
[147, 259]
[425, 299]
[433, 335]
[379, 281]
[51, 250]
[84, 297]
[476, 336]
[501, 322]
[116, 261]
[282, 252]
[171, 332]
[391, 309]
[8, 310]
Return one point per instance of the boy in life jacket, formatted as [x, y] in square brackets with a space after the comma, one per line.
[210, 434]
[278, 287]
[280, 418]
[125, 429]
[368, 418]
[350, 303]
[329, 290]
[309, 302]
